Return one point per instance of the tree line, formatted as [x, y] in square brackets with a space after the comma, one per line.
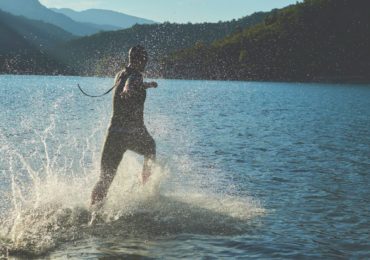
[316, 40]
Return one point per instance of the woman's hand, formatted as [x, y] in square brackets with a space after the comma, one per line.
[126, 92]
[151, 84]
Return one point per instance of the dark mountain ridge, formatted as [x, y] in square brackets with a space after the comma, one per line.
[32, 9]
[25, 46]
[317, 40]
[115, 20]
[104, 53]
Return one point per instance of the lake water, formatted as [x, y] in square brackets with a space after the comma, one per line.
[245, 170]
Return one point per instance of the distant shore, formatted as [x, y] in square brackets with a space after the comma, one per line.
[325, 80]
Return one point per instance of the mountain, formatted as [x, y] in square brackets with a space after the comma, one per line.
[37, 33]
[104, 17]
[32, 9]
[104, 53]
[317, 40]
[25, 46]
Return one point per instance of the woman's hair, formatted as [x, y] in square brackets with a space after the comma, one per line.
[137, 53]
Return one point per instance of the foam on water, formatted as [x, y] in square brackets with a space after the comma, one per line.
[53, 210]
[46, 201]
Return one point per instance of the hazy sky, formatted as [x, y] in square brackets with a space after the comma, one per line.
[176, 10]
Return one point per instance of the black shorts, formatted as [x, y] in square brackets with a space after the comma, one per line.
[118, 142]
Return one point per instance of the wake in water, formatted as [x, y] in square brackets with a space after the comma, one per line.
[46, 194]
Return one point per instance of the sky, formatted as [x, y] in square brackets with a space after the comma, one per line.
[180, 11]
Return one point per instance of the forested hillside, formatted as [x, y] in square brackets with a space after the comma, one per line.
[104, 53]
[25, 46]
[317, 40]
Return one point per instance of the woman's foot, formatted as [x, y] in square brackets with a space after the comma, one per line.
[145, 176]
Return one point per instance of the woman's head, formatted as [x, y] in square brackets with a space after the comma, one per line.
[138, 57]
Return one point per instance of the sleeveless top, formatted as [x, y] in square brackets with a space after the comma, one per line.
[128, 111]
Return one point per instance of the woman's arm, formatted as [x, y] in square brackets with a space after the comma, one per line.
[151, 84]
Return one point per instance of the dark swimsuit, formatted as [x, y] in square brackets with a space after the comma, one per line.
[127, 130]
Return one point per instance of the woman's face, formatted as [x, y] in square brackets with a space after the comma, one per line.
[141, 64]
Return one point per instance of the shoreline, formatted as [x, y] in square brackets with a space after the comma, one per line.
[328, 80]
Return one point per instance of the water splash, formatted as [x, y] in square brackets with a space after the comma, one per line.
[49, 206]
[48, 178]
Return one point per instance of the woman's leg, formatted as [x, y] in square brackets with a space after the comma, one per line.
[147, 168]
[144, 144]
[113, 151]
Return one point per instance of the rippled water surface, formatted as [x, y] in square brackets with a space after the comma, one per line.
[245, 170]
